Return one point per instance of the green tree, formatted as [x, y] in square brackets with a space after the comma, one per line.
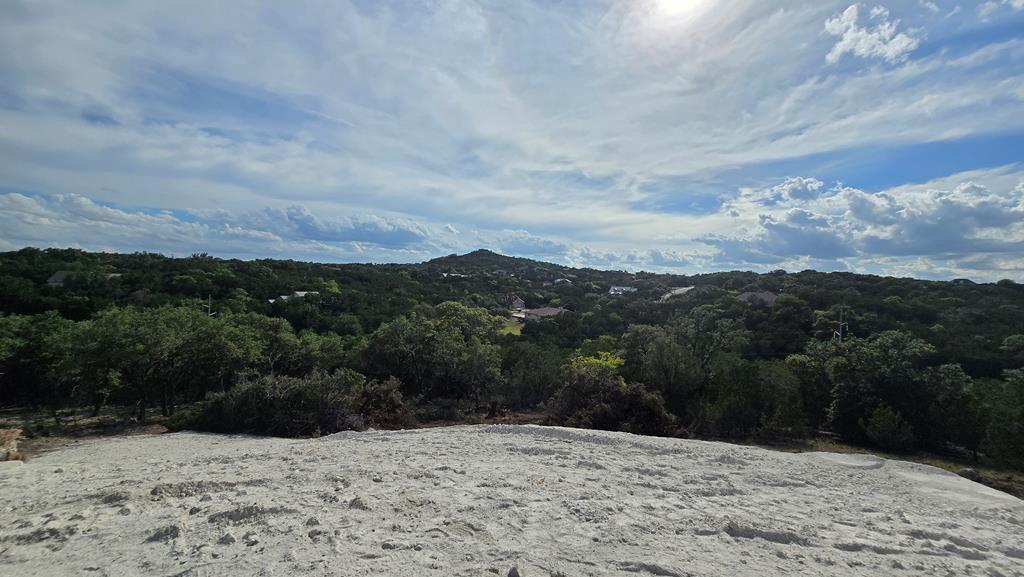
[531, 372]
[956, 414]
[1013, 347]
[447, 352]
[885, 368]
[655, 357]
[594, 395]
[887, 429]
[1006, 422]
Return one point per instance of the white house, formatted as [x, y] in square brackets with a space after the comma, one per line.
[676, 291]
[621, 290]
[294, 295]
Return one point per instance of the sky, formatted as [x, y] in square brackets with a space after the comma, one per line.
[661, 135]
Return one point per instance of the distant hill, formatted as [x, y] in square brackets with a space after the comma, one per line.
[487, 259]
[966, 322]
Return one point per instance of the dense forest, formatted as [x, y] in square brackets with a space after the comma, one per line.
[896, 363]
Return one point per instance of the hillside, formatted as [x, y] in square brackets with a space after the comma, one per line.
[966, 321]
[482, 500]
[292, 348]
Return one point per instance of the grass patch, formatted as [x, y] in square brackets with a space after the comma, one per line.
[512, 327]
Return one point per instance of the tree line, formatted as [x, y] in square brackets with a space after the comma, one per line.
[921, 365]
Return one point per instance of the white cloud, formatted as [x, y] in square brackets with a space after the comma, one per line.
[987, 9]
[879, 12]
[958, 221]
[799, 188]
[64, 220]
[250, 233]
[883, 41]
[587, 124]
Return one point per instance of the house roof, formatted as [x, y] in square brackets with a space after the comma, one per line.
[676, 291]
[544, 312]
[58, 277]
[765, 297]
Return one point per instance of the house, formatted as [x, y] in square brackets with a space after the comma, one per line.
[454, 275]
[58, 278]
[516, 303]
[563, 281]
[758, 297]
[621, 290]
[963, 281]
[676, 291]
[542, 313]
[294, 295]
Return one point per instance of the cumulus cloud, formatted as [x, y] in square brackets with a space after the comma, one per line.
[963, 224]
[882, 41]
[796, 188]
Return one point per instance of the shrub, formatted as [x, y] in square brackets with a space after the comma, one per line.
[887, 429]
[380, 404]
[288, 406]
[594, 396]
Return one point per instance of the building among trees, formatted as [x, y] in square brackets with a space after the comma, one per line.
[542, 313]
[766, 298]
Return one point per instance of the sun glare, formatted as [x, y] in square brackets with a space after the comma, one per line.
[680, 8]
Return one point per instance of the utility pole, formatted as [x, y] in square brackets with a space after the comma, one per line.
[209, 306]
[842, 327]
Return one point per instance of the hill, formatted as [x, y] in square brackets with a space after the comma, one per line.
[294, 348]
[483, 259]
[967, 322]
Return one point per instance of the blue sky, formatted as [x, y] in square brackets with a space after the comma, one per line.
[665, 135]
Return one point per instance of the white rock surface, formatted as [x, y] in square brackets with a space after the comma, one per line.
[482, 500]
